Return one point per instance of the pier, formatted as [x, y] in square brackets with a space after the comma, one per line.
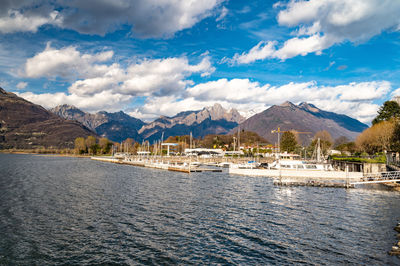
[183, 167]
[376, 178]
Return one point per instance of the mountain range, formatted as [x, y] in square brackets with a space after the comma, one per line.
[24, 125]
[27, 125]
[210, 120]
[304, 117]
[114, 126]
[119, 126]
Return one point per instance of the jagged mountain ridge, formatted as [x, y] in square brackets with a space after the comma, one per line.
[217, 120]
[304, 118]
[119, 126]
[114, 126]
[24, 125]
[210, 120]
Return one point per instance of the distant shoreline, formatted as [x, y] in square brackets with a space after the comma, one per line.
[53, 154]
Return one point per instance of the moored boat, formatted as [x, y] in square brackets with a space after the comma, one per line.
[296, 169]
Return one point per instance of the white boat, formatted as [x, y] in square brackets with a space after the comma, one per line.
[300, 165]
[295, 169]
[225, 164]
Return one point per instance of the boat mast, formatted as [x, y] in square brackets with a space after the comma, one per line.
[239, 139]
[319, 150]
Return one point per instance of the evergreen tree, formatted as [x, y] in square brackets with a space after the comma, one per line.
[387, 111]
[288, 142]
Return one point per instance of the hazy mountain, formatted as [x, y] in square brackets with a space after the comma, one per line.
[25, 125]
[209, 120]
[114, 126]
[304, 118]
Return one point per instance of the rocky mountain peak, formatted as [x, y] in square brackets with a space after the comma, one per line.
[215, 108]
[26, 125]
[213, 119]
[303, 117]
[67, 111]
[288, 104]
[309, 107]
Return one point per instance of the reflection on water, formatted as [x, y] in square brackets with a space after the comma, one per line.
[65, 210]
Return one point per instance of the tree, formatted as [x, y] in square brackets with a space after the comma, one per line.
[347, 147]
[396, 136]
[105, 145]
[129, 145]
[388, 110]
[91, 144]
[340, 141]
[377, 138]
[288, 141]
[80, 146]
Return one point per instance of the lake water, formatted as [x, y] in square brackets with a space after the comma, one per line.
[56, 210]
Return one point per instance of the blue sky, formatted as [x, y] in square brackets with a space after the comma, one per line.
[152, 58]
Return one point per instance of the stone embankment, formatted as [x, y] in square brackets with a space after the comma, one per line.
[312, 183]
[396, 248]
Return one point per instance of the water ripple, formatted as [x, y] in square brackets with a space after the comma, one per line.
[75, 211]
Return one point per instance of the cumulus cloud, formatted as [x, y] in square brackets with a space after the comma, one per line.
[15, 21]
[323, 23]
[171, 105]
[353, 99]
[105, 100]
[261, 51]
[67, 63]
[148, 18]
[90, 74]
[97, 83]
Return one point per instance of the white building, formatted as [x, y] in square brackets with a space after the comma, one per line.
[202, 152]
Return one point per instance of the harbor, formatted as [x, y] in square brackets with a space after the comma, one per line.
[301, 173]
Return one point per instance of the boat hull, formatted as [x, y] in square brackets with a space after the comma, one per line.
[296, 174]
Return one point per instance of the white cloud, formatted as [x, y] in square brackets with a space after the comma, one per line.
[142, 78]
[353, 99]
[97, 84]
[171, 105]
[222, 15]
[100, 84]
[148, 18]
[261, 51]
[396, 93]
[15, 21]
[21, 85]
[67, 63]
[323, 23]
[105, 100]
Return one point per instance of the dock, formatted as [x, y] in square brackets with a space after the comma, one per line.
[157, 164]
